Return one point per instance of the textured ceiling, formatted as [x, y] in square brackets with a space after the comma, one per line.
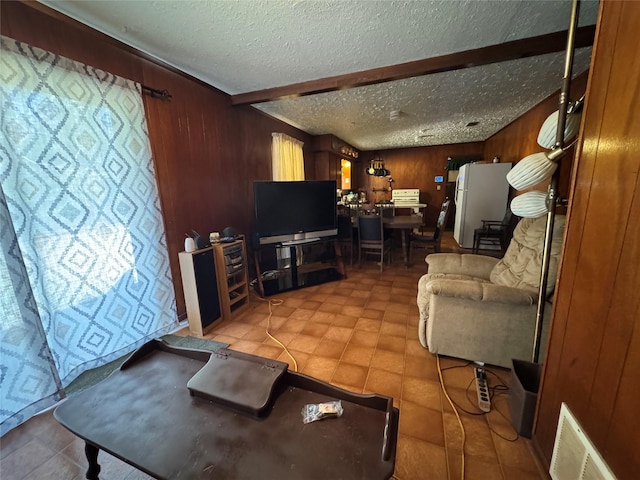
[248, 45]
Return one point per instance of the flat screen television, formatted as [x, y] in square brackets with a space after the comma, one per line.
[295, 211]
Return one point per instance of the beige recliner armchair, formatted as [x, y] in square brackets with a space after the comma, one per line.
[482, 308]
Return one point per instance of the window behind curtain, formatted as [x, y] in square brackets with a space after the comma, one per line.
[286, 158]
[78, 178]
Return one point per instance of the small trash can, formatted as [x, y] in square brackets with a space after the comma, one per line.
[523, 395]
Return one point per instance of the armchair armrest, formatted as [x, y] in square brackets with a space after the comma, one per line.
[479, 266]
[481, 292]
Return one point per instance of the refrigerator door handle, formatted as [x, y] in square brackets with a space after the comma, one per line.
[455, 197]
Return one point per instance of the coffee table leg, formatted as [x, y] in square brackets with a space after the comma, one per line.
[91, 452]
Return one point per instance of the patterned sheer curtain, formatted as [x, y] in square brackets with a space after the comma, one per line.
[84, 267]
[287, 160]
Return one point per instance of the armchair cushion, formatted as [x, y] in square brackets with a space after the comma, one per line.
[478, 266]
[481, 291]
[484, 309]
[522, 263]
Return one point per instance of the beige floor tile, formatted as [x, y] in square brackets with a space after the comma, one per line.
[384, 383]
[276, 321]
[330, 349]
[320, 367]
[355, 301]
[323, 317]
[372, 314]
[515, 454]
[368, 325]
[338, 334]
[419, 367]
[391, 343]
[222, 338]
[237, 330]
[315, 329]
[329, 307]
[390, 361]
[422, 423]
[346, 321]
[358, 355]
[377, 305]
[349, 374]
[417, 460]
[364, 338]
[351, 310]
[293, 325]
[282, 310]
[475, 468]
[303, 313]
[304, 343]
[395, 317]
[333, 299]
[300, 358]
[256, 334]
[268, 351]
[398, 307]
[478, 438]
[396, 329]
[422, 392]
[245, 346]
[361, 293]
[284, 338]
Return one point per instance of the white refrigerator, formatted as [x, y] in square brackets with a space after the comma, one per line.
[481, 193]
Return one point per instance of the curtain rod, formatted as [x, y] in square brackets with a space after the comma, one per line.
[165, 95]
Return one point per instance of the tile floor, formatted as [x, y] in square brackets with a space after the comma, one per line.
[359, 334]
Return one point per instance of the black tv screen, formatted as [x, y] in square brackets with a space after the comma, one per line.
[291, 208]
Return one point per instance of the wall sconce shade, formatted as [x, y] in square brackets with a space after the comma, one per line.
[548, 131]
[530, 204]
[531, 170]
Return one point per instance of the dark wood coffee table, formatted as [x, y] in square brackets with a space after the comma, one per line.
[240, 418]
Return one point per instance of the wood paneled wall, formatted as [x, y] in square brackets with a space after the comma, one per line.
[593, 360]
[415, 168]
[206, 152]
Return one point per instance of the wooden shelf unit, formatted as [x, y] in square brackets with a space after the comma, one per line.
[231, 272]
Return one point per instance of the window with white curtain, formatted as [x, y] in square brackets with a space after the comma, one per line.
[286, 158]
[84, 271]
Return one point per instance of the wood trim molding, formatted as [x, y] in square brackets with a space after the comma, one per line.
[523, 48]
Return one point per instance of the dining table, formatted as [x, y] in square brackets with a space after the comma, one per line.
[404, 223]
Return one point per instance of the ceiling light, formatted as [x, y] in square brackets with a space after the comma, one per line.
[395, 115]
[472, 124]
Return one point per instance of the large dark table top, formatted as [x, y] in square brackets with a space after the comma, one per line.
[247, 426]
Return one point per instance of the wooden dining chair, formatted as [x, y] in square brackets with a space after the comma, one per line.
[495, 232]
[430, 240]
[372, 238]
[345, 234]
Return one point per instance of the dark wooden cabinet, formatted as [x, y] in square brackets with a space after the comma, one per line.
[328, 153]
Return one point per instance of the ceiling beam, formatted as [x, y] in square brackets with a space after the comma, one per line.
[523, 48]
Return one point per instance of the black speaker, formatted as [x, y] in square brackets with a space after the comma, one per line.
[201, 240]
[229, 232]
